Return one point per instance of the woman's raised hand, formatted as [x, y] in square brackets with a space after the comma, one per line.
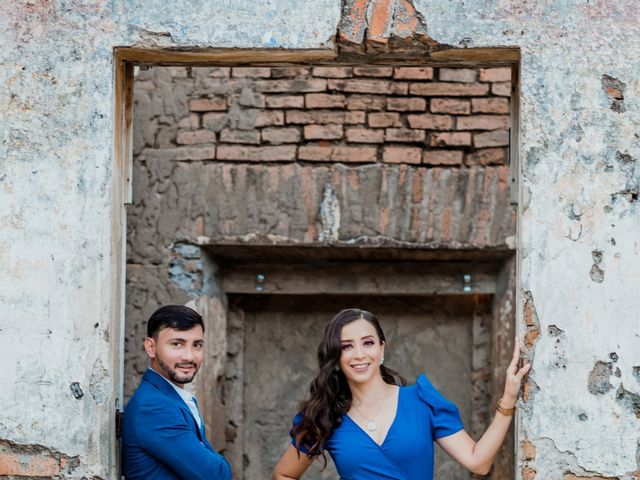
[513, 382]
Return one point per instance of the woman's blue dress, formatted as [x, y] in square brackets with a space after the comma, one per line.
[406, 453]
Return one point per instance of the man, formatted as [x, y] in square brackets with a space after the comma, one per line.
[163, 432]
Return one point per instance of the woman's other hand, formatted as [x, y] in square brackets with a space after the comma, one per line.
[513, 381]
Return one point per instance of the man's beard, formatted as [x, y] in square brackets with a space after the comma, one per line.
[174, 376]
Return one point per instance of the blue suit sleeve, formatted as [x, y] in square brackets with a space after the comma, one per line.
[174, 443]
[445, 416]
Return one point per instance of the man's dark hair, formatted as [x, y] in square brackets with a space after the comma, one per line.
[177, 317]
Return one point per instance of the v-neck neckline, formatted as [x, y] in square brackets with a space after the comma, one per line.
[390, 426]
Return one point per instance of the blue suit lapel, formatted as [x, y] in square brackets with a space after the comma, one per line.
[163, 385]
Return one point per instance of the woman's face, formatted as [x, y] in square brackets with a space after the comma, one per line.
[361, 351]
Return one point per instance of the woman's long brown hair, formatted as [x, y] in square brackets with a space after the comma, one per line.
[329, 392]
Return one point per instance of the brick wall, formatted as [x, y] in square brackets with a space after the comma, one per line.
[412, 115]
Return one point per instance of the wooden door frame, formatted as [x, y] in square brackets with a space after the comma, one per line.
[126, 58]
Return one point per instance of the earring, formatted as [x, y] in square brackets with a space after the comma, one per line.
[382, 361]
[337, 368]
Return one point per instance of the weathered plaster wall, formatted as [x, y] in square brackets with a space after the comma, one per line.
[580, 146]
[59, 253]
[59, 249]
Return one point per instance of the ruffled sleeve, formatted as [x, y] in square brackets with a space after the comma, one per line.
[445, 416]
[302, 447]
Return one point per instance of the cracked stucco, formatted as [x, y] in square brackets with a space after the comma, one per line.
[58, 280]
[57, 180]
[570, 134]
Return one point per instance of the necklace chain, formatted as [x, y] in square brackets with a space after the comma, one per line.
[371, 425]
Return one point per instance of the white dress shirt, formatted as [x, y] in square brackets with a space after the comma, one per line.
[188, 398]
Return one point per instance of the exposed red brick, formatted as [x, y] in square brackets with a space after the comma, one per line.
[295, 85]
[384, 119]
[406, 104]
[451, 138]
[366, 102]
[28, 465]
[364, 85]
[526, 390]
[323, 132]
[208, 104]
[440, 89]
[252, 72]
[450, 105]
[442, 157]
[201, 152]
[487, 156]
[373, 71]
[404, 135]
[324, 100]
[462, 75]
[528, 450]
[413, 73]
[417, 190]
[337, 154]
[315, 153]
[495, 138]
[277, 136]
[490, 105]
[483, 122]
[354, 117]
[528, 314]
[402, 155]
[380, 21]
[354, 22]
[240, 136]
[365, 135]
[284, 101]
[502, 89]
[287, 72]
[355, 154]
[256, 154]
[615, 93]
[429, 121]
[315, 116]
[406, 20]
[333, 72]
[192, 122]
[189, 137]
[528, 473]
[267, 118]
[502, 74]
[531, 336]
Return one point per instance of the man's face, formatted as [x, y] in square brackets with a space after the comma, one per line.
[176, 354]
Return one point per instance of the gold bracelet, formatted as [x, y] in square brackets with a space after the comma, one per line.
[507, 412]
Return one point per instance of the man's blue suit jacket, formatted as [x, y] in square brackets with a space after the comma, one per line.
[161, 439]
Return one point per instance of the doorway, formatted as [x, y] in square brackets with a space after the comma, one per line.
[180, 191]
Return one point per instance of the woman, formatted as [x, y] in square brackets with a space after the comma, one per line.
[372, 427]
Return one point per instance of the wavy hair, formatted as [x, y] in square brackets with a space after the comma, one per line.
[329, 392]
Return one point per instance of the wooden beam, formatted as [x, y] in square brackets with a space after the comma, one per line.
[351, 278]
[231, 56]
[477, 56]
[498, 56]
